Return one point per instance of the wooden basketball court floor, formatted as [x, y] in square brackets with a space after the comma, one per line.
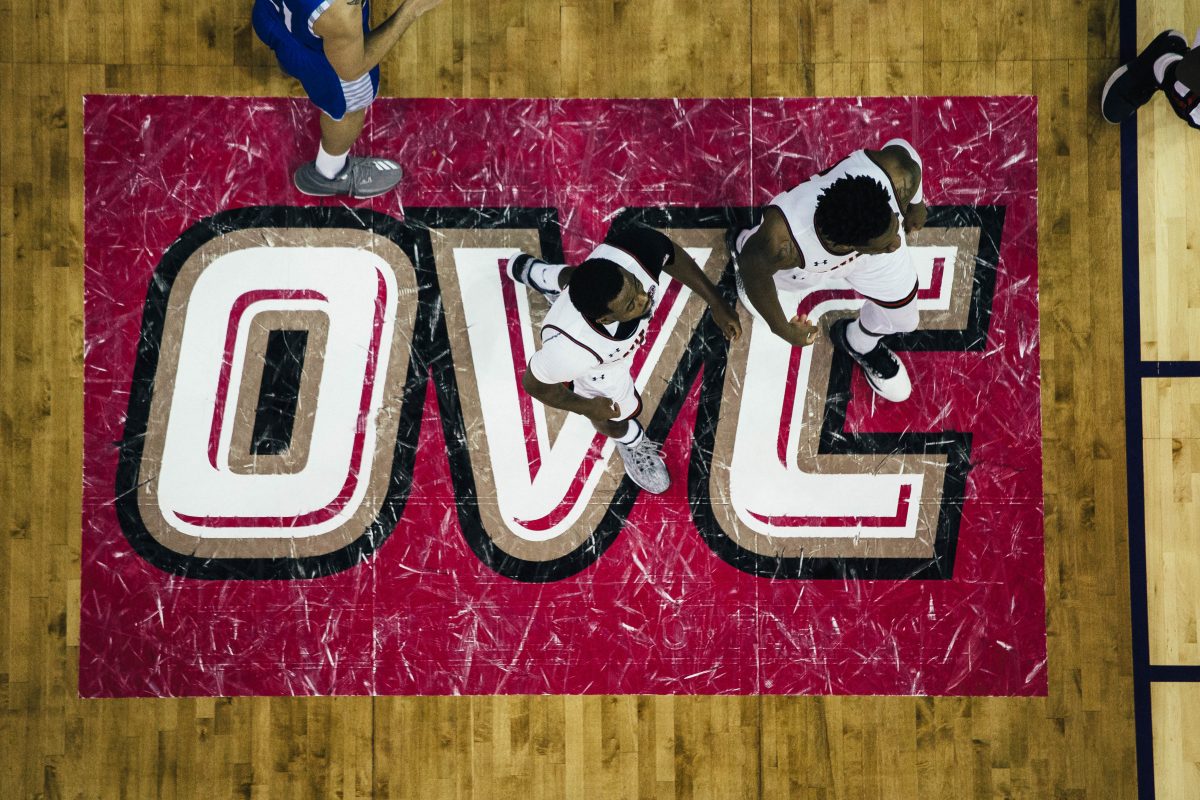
[1104, 365]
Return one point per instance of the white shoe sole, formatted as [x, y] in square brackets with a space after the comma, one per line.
[896, 389]
[1107, 86]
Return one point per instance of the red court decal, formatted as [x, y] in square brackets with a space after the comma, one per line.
[310, 467]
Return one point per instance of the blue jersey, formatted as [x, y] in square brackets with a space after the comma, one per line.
[300, 15]
[286, 27]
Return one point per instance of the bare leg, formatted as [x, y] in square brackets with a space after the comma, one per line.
[613, 430]
[337, 136]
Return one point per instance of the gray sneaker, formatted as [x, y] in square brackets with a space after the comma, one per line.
[645, 466]
[361, 177]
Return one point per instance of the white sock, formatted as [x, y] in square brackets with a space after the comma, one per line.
[328, 165]
[1160, 66]
[633, 434]
[546, 276]
[860, 340]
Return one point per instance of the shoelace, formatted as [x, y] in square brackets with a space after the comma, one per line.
[354, 174]
[646, 453]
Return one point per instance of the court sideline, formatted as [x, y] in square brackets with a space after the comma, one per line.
[1077, 742]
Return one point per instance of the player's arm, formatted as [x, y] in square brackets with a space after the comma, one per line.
[769, 250]
[683, 268]
[559, 361]
[350, 53]
[900, 161]
[557, 395]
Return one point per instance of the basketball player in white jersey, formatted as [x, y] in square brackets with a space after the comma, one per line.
[598, 318]
[847, 222]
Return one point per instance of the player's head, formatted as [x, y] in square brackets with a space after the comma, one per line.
[605, 293]
[855, 212]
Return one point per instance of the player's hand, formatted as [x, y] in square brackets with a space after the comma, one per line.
[601, 409]
[727, 320]
[914, 217]
[800, 332]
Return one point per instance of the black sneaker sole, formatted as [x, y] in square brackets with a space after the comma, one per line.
[1112, 79]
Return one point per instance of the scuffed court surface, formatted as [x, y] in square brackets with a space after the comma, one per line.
[309, 468]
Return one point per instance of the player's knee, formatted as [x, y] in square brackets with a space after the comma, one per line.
[610, 428]
[907, 320]
[883, 321]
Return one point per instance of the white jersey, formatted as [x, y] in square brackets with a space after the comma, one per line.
[574, 347]
[886, 276]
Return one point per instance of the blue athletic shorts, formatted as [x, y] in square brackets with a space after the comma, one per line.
[320, 81]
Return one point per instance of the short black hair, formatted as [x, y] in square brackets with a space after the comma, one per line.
[595, 284]
[853, 210]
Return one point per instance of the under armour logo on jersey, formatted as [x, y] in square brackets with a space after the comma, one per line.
[837, 266]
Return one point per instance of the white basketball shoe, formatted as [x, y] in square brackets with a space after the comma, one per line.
[883, 369]
[645, 466]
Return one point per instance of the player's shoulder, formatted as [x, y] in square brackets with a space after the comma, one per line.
[775, 227]
[564, 319]
[896, 162]
[775, 243]
[335, 17]
[566, 352]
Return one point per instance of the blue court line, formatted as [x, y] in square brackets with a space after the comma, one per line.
[1138, 605]
[1161, 673]
[1136, 370]
[1166, 369]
